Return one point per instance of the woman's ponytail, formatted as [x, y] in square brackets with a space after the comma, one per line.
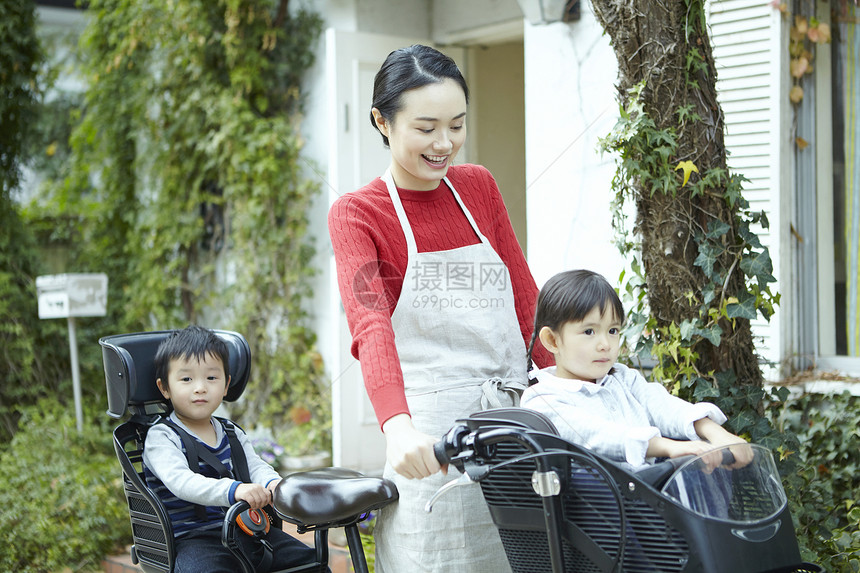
[529, 362]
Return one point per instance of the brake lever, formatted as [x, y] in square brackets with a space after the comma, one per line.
[471, 474]
[462, 480]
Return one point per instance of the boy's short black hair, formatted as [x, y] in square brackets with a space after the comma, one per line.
[190, 342]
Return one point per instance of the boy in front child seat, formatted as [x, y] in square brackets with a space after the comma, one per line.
[605, 406]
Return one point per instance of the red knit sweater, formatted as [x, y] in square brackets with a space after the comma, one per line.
[371, 257]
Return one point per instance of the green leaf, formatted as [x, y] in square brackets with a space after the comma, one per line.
[634, 329]
[712, 334]
[704, 389]
[714, 177]
[782, 393]
[748, 236]
[708, 293]
[708, 254]
[743, 421]
[717, 229]
[688, 329]
[744, 308]
[726, 378]
[759, 266]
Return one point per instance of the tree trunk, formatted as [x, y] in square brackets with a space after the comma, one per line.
[654, 41]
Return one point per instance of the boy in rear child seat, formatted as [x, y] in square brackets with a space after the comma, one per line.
[192, 373]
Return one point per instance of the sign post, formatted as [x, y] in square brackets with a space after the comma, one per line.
[69, 296]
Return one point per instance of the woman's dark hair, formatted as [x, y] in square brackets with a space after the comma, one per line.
[408, 69]
[569, 297]
[190, 342]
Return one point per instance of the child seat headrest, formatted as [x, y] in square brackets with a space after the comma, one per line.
[129, 363]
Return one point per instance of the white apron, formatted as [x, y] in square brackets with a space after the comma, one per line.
[460, 348]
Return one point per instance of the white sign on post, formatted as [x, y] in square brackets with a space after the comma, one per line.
[69, 296]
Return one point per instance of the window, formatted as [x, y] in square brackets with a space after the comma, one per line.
[837, 161]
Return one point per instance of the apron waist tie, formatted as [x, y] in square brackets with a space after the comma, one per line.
[491, 389]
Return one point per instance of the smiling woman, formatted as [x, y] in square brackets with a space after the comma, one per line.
[439, 301]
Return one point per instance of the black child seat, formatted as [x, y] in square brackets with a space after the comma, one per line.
[313, 501]
[562, 508]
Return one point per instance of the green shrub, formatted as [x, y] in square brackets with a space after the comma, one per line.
[368, 542]
[822, 482]
[60, 494]
[31, 351]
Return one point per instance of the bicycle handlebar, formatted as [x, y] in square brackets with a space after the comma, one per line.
[451, 446]
[459, 443]
[440, 453]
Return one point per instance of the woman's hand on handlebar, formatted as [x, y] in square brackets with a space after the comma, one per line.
[409, 451]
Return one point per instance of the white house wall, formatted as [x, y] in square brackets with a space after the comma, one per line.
[373, 16]
[485, 21]
[570, 73]
[401, 18]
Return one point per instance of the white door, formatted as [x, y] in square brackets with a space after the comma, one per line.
[356, 157]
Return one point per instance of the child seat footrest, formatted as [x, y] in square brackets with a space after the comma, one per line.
[330, 496]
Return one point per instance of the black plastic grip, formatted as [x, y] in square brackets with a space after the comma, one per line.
[439, 450]
[451, 445]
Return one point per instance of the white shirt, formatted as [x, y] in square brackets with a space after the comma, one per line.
[618, 415]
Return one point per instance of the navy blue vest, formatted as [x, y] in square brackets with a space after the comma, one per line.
[215, 463]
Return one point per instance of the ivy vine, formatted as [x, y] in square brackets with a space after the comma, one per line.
[647, 155]
[186, 185]
[31, 351]
[804, 35]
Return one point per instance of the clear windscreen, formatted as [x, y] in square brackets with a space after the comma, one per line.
[734, 483]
